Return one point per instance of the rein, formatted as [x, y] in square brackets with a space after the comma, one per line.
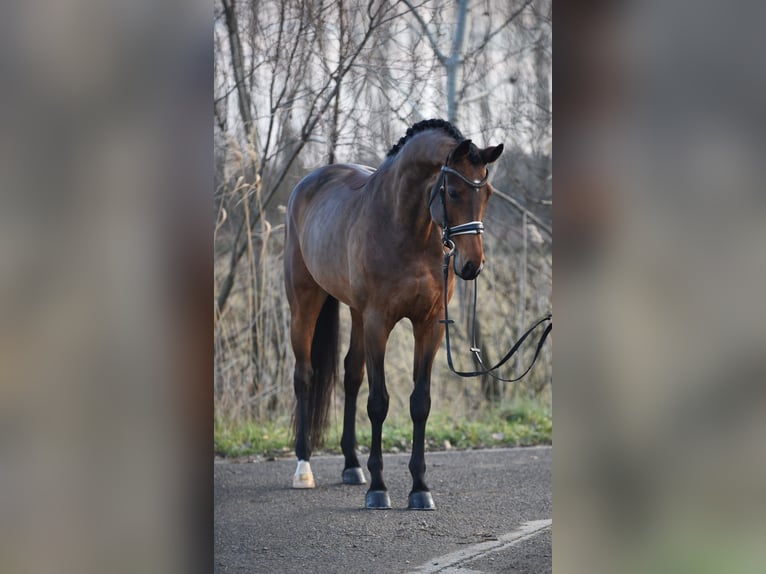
[475, 227]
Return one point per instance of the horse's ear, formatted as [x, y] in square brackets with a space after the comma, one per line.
[461, 150]
[490, 154]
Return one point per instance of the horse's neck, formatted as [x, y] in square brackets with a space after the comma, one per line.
[414, 174]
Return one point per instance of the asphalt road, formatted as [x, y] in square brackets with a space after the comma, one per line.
[493, 515]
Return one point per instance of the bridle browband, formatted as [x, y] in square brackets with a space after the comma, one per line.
[475, 228]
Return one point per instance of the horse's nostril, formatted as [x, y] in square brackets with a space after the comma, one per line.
[469, 271]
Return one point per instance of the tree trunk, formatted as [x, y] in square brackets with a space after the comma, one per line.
[455, 60]
[238, 69]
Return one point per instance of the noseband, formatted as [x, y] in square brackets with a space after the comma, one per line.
[470, 228]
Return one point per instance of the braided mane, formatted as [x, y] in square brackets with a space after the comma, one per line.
[444, 125]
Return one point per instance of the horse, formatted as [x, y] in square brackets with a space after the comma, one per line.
[374, 240]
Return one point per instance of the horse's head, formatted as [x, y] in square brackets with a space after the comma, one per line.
[458, 203]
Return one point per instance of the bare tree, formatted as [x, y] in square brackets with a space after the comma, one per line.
[453, 60]
[285, 96]
[300, 83]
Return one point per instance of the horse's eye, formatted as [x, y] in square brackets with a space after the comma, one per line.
[453, 193]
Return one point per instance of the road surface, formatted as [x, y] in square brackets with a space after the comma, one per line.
[493, 515]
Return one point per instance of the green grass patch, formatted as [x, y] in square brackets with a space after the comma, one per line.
[234, 439]
[519, 424]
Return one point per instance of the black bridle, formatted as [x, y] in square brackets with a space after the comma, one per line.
[477, 228]
[470, 228]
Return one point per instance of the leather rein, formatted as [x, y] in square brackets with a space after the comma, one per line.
[477, 228]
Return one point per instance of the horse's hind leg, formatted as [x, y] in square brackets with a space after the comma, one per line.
[306, 300]
[353, 373]
[428, 335]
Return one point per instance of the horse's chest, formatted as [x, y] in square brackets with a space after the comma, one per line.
[414, 297]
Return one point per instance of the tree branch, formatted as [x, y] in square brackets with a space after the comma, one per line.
[523, 209]
[427, 31]
[508, 20]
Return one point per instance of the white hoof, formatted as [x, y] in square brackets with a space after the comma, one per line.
[303, 477]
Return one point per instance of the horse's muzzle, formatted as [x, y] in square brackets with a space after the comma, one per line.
[469, 271]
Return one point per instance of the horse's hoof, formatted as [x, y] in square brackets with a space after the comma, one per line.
[353, 475]
[303, 477]
[421, 500]
[377, 500]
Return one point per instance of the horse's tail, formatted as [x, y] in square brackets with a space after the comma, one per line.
[324, 364]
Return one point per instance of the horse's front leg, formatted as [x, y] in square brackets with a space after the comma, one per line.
[376, 331]
[352, 379]
[428, 335]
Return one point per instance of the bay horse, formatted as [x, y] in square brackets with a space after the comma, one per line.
[374, 240]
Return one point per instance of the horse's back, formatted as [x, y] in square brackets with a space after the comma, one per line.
[324, 200]
[320, 211]
[340, 181]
